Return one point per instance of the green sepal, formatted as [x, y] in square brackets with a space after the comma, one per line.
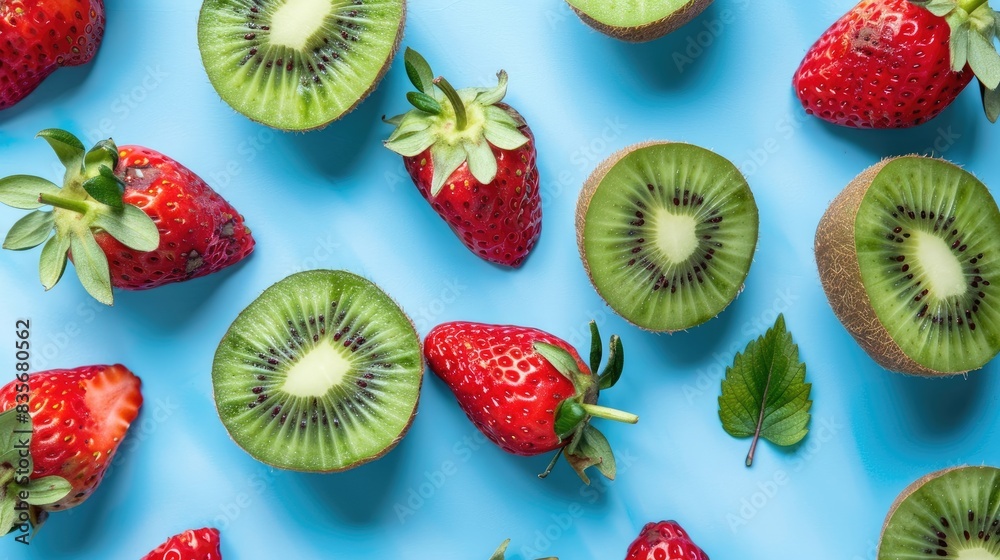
[46, 490]
[569, 415]
[68, 148]
[501, 551]
[496, 94]
[972, 38]
[447, 159]
[103, 154]
[30, 231]
[991, 102]
[482, 162]
[22, 191]
[106, 188]
[424, 102]
[616, 363]
[563, 362]
[52, 263]
[593, 450]
[132, 227]
[91, 265]
[418, 71]
[596, 350]
[13, 433]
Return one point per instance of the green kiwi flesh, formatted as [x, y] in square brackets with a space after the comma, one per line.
[667, 232]
[953, 513]
[298, 64]
[321, 373]
[637, 21]
[906, 254]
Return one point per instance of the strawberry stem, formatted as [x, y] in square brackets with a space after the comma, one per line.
[552, 463]
[971, 5]
[455, 100]
[64, 203]
[610, 413]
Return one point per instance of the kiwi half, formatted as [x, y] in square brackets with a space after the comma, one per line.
[321, 373]
[954, 513]
[667, 232]
[906, 256]
[298, 64]
[637, 21]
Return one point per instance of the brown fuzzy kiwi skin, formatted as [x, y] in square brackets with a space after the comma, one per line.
[840, 274]
[650, 31]
[906, 494]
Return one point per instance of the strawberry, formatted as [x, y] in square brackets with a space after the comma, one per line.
[473, 158]
[40, 36]
[78, 417]
[129, 217]
[528, 391]
[193, 544]
[665, 540]
[899, 63]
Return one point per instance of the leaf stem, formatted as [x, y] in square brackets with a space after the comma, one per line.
[753, 447]
[552, 464]
[610, 413]
[64, 203]
[456, 101]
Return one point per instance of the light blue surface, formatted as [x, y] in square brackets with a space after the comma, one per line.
[338, 199]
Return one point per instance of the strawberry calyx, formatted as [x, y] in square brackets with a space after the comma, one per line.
[89, 201]
[974, 28]
[459, 126]
[21, 497]
[585, 446]
[501, 552]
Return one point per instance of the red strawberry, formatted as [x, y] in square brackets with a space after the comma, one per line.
[78, 419]
[665, 540]
[131, 218]
[193, 544]
[473, 158]
[528, 391]
[898, 63]
[40, 36]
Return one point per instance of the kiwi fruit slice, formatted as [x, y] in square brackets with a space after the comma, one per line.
[954, 513]
[637, 21]
[298, 64]
[906, 256]
[667, 232]
[321, 373]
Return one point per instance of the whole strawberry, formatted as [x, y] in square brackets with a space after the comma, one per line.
[528, 391]
[473, 158]
[40, 36]
[76, 418]
[129, 217]
[665, 540]
[193, 544]
[899, 63]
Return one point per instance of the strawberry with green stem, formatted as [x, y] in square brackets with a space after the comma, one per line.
[899, 63]
[529, 391]
[129, 217]
[473, 158]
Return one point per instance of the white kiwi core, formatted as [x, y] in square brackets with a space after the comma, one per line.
[321, 369]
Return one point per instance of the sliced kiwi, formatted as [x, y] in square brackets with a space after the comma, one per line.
[637, 21]
[908, 254]
[954, 513]
[667, 232]
[321, 373]
[298, 64]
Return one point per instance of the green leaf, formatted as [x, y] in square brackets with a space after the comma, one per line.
[67, 147]
[13, 433]
[21, 191]
[764, 394]
[561, 360]
[503, 136]
[959, 42]
[47, 490]
[103, 154]
[499, 554]
[592, 450]
[419, 71]
[616, 363]
[499, 116]
[596, 350]
[8, 516]
[569, 414]
[494, 95]
[53, 261]
[413, 144]
[105, 188]
[91, 266]
[446, 160]
[939, 8]
[984, 60]
[991, 102]
[131, 226]
[424, 102]
[482, 162]
[30, 231]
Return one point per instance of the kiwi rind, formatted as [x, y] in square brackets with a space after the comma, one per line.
[650, 31]
[840, 274]
[419, 370]
[909, 491]
[591, 186]
[273, 122]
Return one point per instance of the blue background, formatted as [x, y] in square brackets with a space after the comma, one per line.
[337, 199]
